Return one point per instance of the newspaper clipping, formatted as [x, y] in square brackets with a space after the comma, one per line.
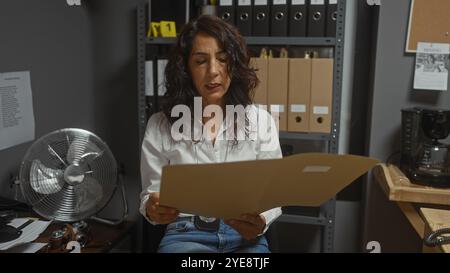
[432, 64]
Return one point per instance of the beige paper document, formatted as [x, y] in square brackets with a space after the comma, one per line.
[227, 190]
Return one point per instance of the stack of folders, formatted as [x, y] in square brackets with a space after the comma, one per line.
[299, 91]
[298, 18]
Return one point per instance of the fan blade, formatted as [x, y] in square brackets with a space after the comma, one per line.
[45, 180]
[89, 194]
[80, 148]
[54, 153]
[88, 158]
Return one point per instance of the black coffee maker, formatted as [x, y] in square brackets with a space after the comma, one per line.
[424, 157]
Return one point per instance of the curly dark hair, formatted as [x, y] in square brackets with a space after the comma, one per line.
[178, 82]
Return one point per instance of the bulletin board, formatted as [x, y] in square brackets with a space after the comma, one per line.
[429, 21]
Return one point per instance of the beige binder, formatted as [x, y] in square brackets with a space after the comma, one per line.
[277, 87]
[260, 64]
[321, 95]
[299, 94]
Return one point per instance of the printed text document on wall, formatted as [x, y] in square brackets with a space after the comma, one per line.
[16, 109]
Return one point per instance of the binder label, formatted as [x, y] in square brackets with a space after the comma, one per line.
[226, 3]
[298, 108]
[244, 2]
[279, 2]
[333, 2]
[298, 2]
[260, 2]
[277, 108]
[320, 110]
[317, 2]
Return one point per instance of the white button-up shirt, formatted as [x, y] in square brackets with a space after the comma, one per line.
[159, 149]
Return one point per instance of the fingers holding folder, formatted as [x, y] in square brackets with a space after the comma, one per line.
[160, 214]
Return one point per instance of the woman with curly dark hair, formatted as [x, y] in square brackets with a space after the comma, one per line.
[207, 77]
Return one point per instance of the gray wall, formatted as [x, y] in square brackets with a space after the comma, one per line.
[83, 74]
[392, 90]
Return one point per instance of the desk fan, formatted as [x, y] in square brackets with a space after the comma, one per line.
[70, 175]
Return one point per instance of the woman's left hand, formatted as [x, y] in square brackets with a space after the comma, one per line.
[248, 225]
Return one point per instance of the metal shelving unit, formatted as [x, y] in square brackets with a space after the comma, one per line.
[326, 217]
[305, 136]
[302, 219]
[285, 41]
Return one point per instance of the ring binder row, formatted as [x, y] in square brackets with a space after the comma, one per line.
[300, 90]
[298, 18]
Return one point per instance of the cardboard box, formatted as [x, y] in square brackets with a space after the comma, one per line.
[299, 95]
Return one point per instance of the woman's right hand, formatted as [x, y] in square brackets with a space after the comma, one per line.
[160, 214]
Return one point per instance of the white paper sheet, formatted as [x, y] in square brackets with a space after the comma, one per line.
[162, 63]
[29, 233]
[16, 109]
[432, 64]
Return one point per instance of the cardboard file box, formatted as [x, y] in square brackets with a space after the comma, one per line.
[321, 95]
[277, 88]
[299, 94]
[261, 66]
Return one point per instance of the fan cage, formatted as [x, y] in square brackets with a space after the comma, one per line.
[45, 187]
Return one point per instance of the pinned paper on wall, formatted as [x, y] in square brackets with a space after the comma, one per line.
[432, 64]
[16, 109]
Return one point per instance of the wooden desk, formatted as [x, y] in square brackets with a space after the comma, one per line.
[408, 196]
[102, 237]
[435, 219]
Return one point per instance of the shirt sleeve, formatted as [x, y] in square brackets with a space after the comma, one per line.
[152, 160]
[268, 148]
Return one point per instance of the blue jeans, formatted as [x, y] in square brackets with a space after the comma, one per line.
[183, 237]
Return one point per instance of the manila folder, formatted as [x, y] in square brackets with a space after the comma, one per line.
[227, 190]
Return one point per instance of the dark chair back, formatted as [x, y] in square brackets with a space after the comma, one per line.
[152, 236]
